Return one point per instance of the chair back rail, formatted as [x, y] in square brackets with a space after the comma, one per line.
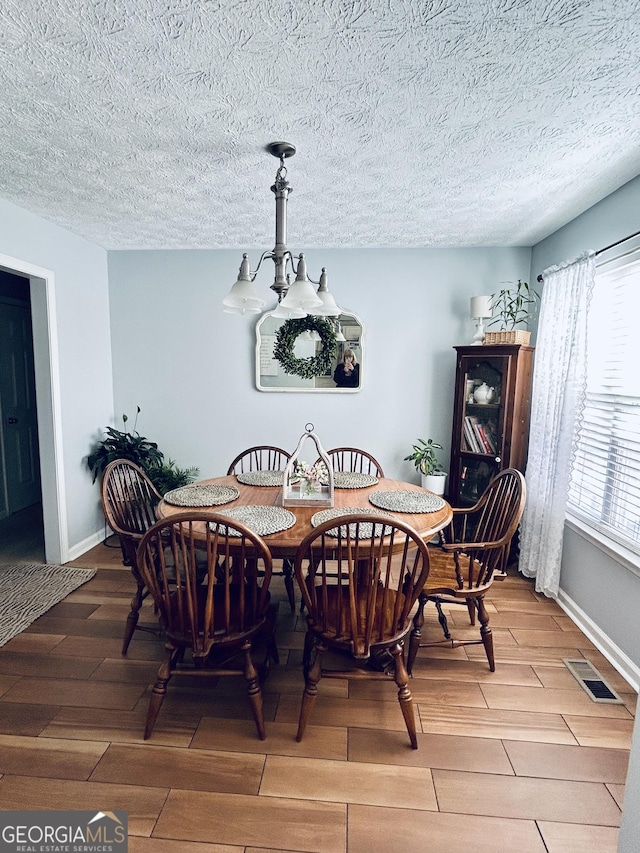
[129, 498]
[487, 528]
[263, 457]
[225, 604]
[353, 459]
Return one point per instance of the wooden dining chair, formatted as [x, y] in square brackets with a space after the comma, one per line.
[354, 460]
[129, 501]
[216, 618]
[359, 579]
[262, 457]
[473, 553]
[265, 457]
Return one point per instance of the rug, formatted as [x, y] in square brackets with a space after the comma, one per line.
[29, 590]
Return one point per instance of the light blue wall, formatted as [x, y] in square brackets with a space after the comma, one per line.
[80, 301]
[190, 367]
[606, 592]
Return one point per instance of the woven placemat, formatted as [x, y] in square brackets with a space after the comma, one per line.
[199, 494]
[365, 530]
[263, 520]
[353, 480]
[261, 478]
[404, 500]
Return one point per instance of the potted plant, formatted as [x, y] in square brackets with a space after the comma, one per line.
[425, 459]
[513, 306]
[122, 444]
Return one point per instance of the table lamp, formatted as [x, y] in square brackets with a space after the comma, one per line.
[479, 310]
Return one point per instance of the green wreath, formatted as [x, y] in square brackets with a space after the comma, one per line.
[312, 366]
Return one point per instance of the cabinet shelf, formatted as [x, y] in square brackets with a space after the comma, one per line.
[488, 437]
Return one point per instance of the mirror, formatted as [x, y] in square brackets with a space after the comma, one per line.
[299, 344]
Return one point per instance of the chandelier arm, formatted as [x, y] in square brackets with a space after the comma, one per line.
[267, 254]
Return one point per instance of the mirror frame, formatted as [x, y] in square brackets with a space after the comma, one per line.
[298, 384]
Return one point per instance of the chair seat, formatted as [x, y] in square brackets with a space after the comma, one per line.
[235, 626]
[337, 619]
[442, 577]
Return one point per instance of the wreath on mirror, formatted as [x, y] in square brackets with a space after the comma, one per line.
[313, 366]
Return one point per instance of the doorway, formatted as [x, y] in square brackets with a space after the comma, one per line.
[30, 523]
[21, 519]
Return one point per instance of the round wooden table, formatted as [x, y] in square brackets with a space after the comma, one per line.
[285, 543]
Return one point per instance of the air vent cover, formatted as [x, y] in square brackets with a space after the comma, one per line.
[592, 682]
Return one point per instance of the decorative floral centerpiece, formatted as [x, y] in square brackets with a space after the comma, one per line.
[310, 477]
[304, 484]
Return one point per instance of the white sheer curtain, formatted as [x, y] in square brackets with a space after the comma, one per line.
[558, 391]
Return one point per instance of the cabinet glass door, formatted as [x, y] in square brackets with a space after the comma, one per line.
[481, 429]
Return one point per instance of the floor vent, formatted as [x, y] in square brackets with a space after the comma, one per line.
[592, 682]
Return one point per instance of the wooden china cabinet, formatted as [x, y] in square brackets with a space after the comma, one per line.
[490, 417]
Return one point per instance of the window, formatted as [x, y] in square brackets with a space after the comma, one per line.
[605, 478]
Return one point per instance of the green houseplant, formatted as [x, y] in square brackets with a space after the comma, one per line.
[425, 459]
[513, 306]
[122, 444]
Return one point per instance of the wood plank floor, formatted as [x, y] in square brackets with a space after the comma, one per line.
[516, 760]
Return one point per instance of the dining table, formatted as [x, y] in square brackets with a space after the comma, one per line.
[284, 543]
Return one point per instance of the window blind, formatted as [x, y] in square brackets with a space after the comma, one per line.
[605, 476]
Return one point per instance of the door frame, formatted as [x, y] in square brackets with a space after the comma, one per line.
[48, 403]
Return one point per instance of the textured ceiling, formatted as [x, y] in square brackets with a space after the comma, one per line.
[142, 123]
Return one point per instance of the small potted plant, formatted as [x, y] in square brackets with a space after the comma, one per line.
[513, 306]
[425, 459]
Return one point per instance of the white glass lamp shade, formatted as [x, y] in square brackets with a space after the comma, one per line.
[339, 336]
[301, 295]
[480, 306]
[243, 298]
[328, 306]
[284, 313]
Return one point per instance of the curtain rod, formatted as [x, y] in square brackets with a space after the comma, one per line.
[606, 248]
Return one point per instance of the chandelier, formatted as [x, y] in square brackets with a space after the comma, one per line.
[294, 300]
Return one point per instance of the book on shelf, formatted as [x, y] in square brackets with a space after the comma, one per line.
[471, 436]
[483, 438]
[479, 437]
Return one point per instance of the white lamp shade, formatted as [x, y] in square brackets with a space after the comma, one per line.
[284, 313]
[301, 296]
[480, 307]
[245, 297]
[328, 306]
[339, 335]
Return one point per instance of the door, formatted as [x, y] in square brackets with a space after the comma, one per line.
[18, 409]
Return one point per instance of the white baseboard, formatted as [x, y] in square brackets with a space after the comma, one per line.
[616, 657]
[86, 545]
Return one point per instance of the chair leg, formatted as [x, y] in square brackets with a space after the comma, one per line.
[311, 690]
[159, 692]
[401, 677]
[442, 619]
[253, 690]
[287, 570]
[134, 614]
[471, 607]
[272, 648]
[306, 654]
[485, 633]
[416, 633]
